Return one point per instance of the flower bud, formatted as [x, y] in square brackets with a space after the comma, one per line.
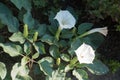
[25, 32]
[35, 36]
[58, 61]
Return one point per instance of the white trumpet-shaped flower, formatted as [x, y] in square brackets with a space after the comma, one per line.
[65, 19]
[103, 31]
[85, 54]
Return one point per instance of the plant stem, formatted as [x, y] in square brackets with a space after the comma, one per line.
[58, 33]
[84, 34]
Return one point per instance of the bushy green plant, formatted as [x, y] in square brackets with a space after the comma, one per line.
[113, 65]
[50, 47]
[104, 8]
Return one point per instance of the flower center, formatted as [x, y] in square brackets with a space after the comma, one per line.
[81, 56]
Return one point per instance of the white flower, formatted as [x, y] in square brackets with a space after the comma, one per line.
[103, 31]
[65, 19]
[85, 54]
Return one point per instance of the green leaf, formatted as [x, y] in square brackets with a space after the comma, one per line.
[17, 37]
[45, 67]
[62, 43]
[54, 51]
[49, 59]
[39, 47]
[8, 19]
[68, 68]
[52, 29]
[67, 34]
[54, 23]
[35, 56]
[20, 72]
[84, 27]
[65, 57]
[56, 75]
[4, 9]
[41, 29]
[11, 49]
[24, 60]
[94, 40]
[80, 74]
[27, 48]
[11, 22]
[29, 20]
[25, 77]
[74, 45]
[22, 3]
[48, 39]
[40, 3]
[97, 68]
[3, 70]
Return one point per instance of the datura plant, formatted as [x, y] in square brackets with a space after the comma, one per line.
[57, 50]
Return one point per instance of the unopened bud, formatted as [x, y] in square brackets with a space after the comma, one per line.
[35, 36]
[58, 61]
[25, 32]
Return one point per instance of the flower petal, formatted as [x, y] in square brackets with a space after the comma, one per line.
[65, 19]
[103, 31]
[85, 54]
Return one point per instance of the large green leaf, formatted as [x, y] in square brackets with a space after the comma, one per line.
[8, 19]
[4, 9]
[94, 40]
[22, 3]
[49, 59]
[62, 43]
[68, 68]
[39, 47]
[24, 60]
[27, 48]
[11, 49]
[66, 34]
[40, 3]
[84, 27]
[29, 20]
[35, 56]
[54, 22]
[45, 67]
[3, 70]
[80, 74]
[17, 37]
[65, 57]
[41, 29]
[74, 45]
[20, 72]
[97, 68]
[54, 51]
[56, 75]
[48, 39]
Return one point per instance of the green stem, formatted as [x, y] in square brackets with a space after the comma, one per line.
[84, 34]
[73, 61]
[58, 33]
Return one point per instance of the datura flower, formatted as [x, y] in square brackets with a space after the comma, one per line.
[103, 31]
[65, 19]
[85, 54]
